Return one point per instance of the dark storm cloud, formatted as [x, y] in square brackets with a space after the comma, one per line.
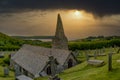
[98, 7]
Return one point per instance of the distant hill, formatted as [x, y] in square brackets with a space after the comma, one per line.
[98, 38]
[7, 40]
[14, 43]
[8, 43]
[33, 37]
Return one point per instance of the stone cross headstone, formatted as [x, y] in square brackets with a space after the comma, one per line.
[6, 71]
[109, 61]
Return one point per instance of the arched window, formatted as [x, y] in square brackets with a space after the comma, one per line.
[70, 63]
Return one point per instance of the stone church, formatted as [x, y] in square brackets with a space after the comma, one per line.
[34, 61]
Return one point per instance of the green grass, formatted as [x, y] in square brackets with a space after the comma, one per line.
[84, 71]
[2, 77]
[87, 72]
[11, 73]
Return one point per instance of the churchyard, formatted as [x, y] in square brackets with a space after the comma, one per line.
[84, 70]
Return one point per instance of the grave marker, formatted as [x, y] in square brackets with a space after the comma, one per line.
[109, 61]
[6, 71]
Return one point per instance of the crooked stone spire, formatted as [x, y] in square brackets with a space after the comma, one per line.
[60, 41]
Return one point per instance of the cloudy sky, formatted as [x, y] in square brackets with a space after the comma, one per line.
[81, 18]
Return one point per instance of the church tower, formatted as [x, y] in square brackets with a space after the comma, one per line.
[60, 41]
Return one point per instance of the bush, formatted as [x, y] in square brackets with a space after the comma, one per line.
[7, 61]
[85, 45]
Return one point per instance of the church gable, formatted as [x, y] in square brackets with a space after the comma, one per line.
[70, 61]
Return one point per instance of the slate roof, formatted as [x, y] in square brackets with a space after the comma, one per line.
[34, 58]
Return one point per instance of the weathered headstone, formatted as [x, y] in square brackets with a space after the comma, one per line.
[109, 61]
[6, 71]
[96, 62]
[101, 52]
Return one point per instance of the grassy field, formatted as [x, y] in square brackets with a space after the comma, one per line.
[84, 71]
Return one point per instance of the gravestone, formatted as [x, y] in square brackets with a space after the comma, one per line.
[109, 61]
[6, 71]
[96, 62]
[101, 52]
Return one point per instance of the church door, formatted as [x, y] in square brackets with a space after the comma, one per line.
[70, 63]
[49, 70]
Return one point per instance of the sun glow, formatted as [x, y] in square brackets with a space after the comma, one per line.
[77, 14]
